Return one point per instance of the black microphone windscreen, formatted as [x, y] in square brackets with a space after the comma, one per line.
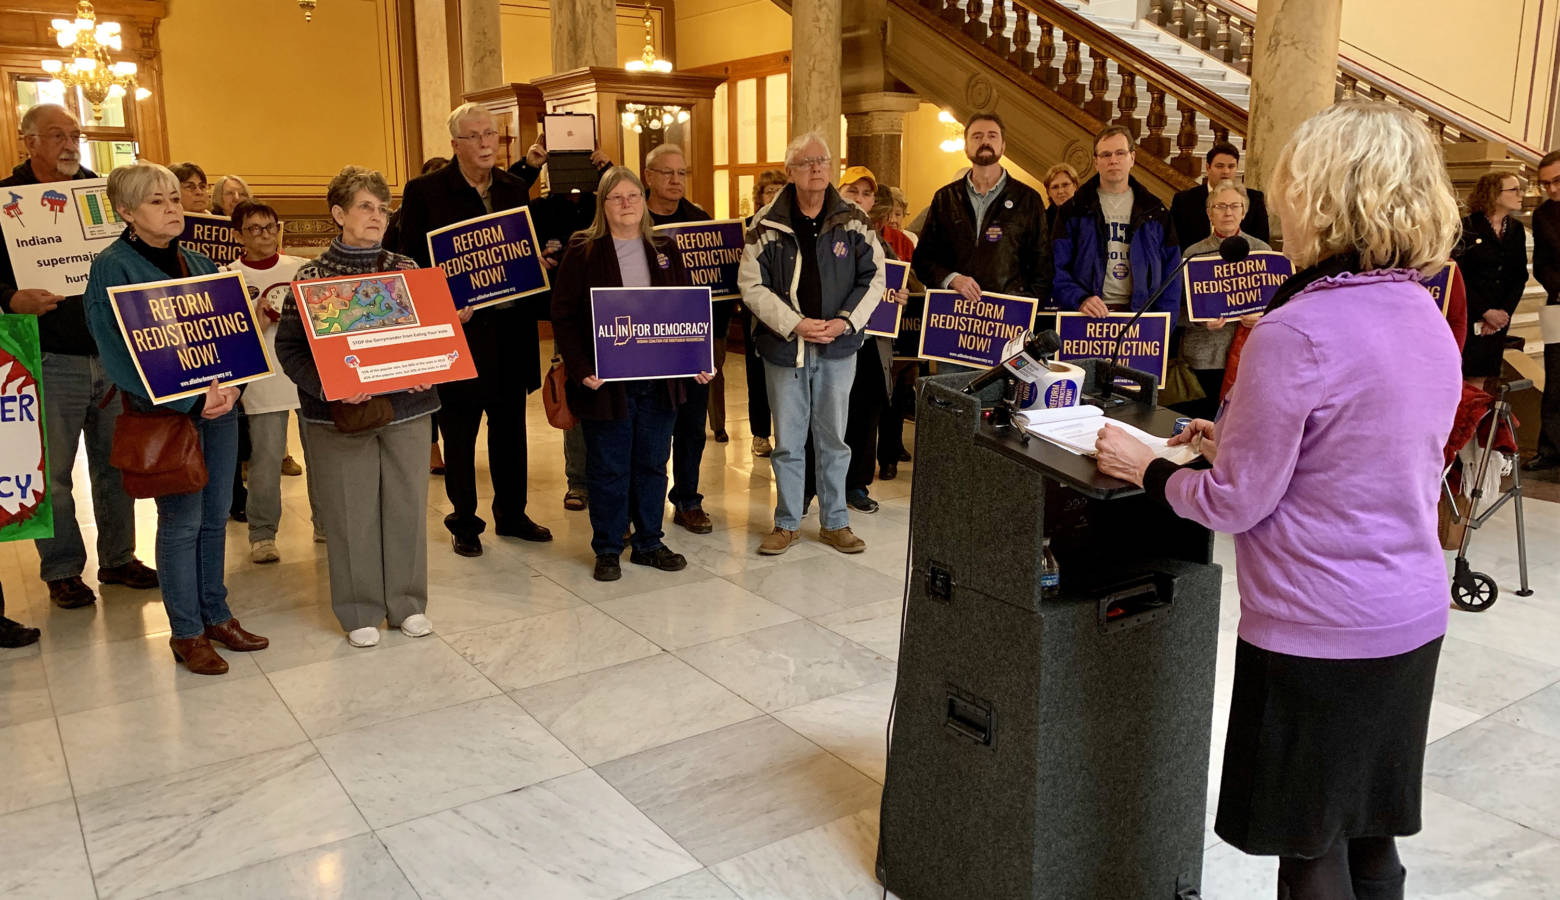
[1234, 249]
[1045, 343]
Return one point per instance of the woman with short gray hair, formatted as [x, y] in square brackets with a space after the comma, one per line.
[191, 528]
[228, 193]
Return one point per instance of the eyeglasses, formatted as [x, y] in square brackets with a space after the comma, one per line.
[1107, 154]
[1226, 207]
[626, 199]
[57, 136]
[257, 230]
[671, 173]
[372, 208]
[811, 162]
[1517, 189]
[483, 136]
[197, 186]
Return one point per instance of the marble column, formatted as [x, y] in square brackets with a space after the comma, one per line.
[815, 69]
[434, 98]
[584, 33]
[874, 130]
[482, 46]
[1294, 68]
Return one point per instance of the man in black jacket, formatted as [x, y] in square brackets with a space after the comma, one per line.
[1546, 268]
[502, 338]
[76, 390]
[1189, 208]
[986, 231]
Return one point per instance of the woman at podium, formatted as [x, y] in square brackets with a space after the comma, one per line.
[1326, 463]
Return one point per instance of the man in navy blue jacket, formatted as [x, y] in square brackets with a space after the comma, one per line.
[1114, 243]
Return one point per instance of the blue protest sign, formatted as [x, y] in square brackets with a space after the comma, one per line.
[187, 332]
[972, 332]
[489, 259]
[711, 252]
[1146, 347]
[660, 332]
[212, 236]
[1216, 289]
[885, 319]
[1440, 286]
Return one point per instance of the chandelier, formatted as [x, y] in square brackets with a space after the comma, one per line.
[953, 141]
[91, 68]
[642, 117]
[648, 61]
[308, 9]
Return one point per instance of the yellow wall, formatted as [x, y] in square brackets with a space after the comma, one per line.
[528, 43]
[296, 103]
[926, 168]
[713, 31]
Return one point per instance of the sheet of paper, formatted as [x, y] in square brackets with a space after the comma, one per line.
[1079, 433]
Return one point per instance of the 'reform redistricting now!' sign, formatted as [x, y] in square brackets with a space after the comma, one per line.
[1145, 348]
[213, 236]
[1440, 286]
[489, 259]
[955, 329]
[53, 231]
[711, 252]
[26, 511]
[657, 332]
[185, 333]
[1216, 289]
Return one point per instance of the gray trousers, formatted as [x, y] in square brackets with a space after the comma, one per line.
[574, 460]
[268, 446]
[372, 489]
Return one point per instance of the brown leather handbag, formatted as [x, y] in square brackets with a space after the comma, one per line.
[554, 400]
[352, 418]
[157, 453]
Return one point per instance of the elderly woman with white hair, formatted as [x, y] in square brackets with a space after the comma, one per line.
[228, 193]
[191, 538]
[1326, 466]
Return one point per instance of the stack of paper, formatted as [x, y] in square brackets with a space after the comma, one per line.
[1076, 429]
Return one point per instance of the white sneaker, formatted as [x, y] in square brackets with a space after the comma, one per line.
[263, 552]
[363, 637]
[416, 625]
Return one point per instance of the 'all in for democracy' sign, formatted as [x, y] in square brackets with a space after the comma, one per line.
[955, 329]
[884, 321]
[660, 332]
[489, 259]
[53, 231]
[711, 252]
[1145, 348]
[1216, 289]
[187, 332]
[26, 512]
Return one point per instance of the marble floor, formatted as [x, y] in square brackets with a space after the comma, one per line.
[713, 733]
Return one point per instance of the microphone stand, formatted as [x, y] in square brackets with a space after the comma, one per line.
[1105, 399]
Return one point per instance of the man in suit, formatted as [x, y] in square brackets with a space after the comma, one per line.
[1189, 208]
[1546, 268]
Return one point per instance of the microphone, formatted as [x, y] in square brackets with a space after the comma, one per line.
[1023, 364]
[1231, 249]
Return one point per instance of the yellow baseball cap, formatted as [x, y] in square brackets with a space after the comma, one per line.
[855, 174]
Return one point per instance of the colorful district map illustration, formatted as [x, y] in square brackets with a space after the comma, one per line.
[353, 305]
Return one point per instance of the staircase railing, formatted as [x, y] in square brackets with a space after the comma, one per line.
[1227, 31]
[1055, 62]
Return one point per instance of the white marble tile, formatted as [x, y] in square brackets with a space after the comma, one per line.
[1446, 718]
[852, 725]
[1516, 625]
[545, 648]
[33, 767]
[620, 710]
[572, 838]
[1502, 769]
[729, 550]
[1465, 852]
[1227, 872]
[295, 582]
[1539, 712]
[378, 685]
[109, 673]
[873, 625]
[572, 567]
[118, 616]
[430, 762]
[785, 665]
[456, 609]
[829, 862]
[742, 787]
[1482, 679]
[357, 868]
[309, 634]
[167, 733]
[816, 587]
[41, 855]
[24, 691]
[700, 885]
[167, 832]
[689, 614]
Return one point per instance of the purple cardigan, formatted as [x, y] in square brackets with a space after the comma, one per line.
[1329, 469]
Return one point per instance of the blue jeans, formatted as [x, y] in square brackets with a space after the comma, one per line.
[191, 536]
[625, 467]
[688, 439]
[816, 396]
[73, 386]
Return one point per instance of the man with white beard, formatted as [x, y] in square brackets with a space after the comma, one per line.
[76, 390]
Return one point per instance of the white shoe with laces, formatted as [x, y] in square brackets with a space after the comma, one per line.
[363, 637]
[416, 625]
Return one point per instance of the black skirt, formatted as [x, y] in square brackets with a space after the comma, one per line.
[1323, 749]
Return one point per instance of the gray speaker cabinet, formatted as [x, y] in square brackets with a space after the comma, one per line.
[1051, 749]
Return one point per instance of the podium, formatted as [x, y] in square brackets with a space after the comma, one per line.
[1046, 748]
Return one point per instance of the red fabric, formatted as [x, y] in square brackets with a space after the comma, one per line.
[1472, 412]
[897, 241]
[1232, 361]
[1457, 308]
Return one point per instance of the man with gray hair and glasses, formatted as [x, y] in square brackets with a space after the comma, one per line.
[77, 391]
[502, 338]
[812, 272]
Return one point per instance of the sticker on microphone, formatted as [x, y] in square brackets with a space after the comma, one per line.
[1216, 289]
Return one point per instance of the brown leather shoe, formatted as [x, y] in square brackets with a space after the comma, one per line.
[198, 655]
[695, 520]
[133, 574]
[232, 635]
[71, 593]
[777, 542]
[842, 539]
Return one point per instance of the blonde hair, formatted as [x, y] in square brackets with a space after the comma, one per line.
[1366, 177]
[610, 179]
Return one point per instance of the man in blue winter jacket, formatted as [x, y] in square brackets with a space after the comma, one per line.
[1114, 243]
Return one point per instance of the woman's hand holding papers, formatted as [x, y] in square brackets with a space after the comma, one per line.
[1200, 435]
